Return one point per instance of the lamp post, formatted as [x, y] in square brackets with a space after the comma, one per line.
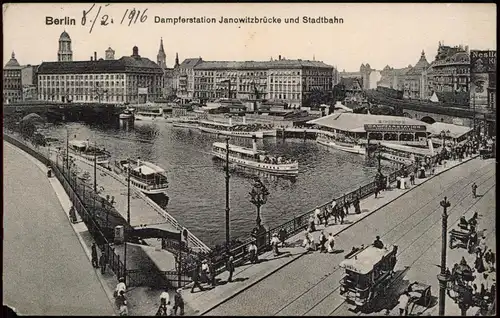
[258, 197]
[227, 193]
[95, 168]
[128, 223]
[443, 277]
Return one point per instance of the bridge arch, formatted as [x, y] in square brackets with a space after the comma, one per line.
[428, 120]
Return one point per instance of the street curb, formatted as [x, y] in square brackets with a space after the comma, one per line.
[88, 253]
[340, 231]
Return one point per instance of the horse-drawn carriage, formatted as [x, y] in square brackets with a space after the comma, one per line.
[465, 235]
[420, 296]
[369, 272]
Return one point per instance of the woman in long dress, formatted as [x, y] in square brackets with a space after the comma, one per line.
[330, 243]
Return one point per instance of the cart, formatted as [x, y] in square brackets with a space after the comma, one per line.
[420, 297]
[464, 238]
[486, 153]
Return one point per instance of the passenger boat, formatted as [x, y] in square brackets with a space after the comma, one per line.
[345, 144]
[255, 159]
[151, 116]
[404, 154]
[145, 176]
[237, 130]
[87, 151]
[186, 123]
[127, 114]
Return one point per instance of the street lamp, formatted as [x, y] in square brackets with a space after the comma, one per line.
[443, 277]
[227, 193]
[128, 221]
[258, 197]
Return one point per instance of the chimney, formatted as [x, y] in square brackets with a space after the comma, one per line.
[244, 120]
[230, 120]
[254, 143]
[95, 56]
[279, 57]
[91, 58]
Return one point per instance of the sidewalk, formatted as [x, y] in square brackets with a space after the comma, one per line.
[247, 275]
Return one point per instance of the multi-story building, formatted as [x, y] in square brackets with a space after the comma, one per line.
[28, 80]
[281, 80]
[130, 79]
[366, 76]
[169, 74]
[12, 81]
[393, 78]
[185, 78]
[415, 80]
[449, 73]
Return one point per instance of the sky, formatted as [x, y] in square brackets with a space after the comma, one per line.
[378, 34]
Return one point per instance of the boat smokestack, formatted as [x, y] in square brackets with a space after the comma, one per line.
[244, 120]
[254, 143]
[230, 120]
[138, 161]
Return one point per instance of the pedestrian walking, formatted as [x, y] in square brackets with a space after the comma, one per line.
[252, 250]
[341, 215]
[120, 287]
[312, 224]
[211, 273]
[102, 263]
[357, 207]
[274, 243]
[196, 278]
[325, 216]
[205, 272]
[230, 268]
[178, 303]
[282, 236]
[95, 261]
[377, 188]
[121, 303]
[403, 302]
[322, 242]
[72, 215]
[347, 206]
[317, 216]
[165, 309]
[474, 190]
[336, 214]
[330, 243]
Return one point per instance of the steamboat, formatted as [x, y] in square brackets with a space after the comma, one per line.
[255, 159]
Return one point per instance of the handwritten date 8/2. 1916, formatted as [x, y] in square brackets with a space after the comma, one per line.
[94, 14]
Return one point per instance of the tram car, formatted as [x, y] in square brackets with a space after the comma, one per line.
[369, 272]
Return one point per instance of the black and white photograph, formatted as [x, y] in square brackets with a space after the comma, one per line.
[249, 159]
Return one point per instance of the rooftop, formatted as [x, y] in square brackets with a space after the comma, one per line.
[124, 64]
[355, 122]
[364, 262]
[454, 131]
[12, 63]
[262, 65]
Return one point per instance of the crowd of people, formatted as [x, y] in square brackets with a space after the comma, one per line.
[276, 160]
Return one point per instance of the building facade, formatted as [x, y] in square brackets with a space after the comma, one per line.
[185, 78]
[450, 71]
[280, 80]
[415, 80]
[28, 80]
[130, 79]
[12, 81]
[393, 78]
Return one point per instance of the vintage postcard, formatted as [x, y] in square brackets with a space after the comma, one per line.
[249, 159]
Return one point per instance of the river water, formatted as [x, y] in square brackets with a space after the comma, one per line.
[197, 181]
